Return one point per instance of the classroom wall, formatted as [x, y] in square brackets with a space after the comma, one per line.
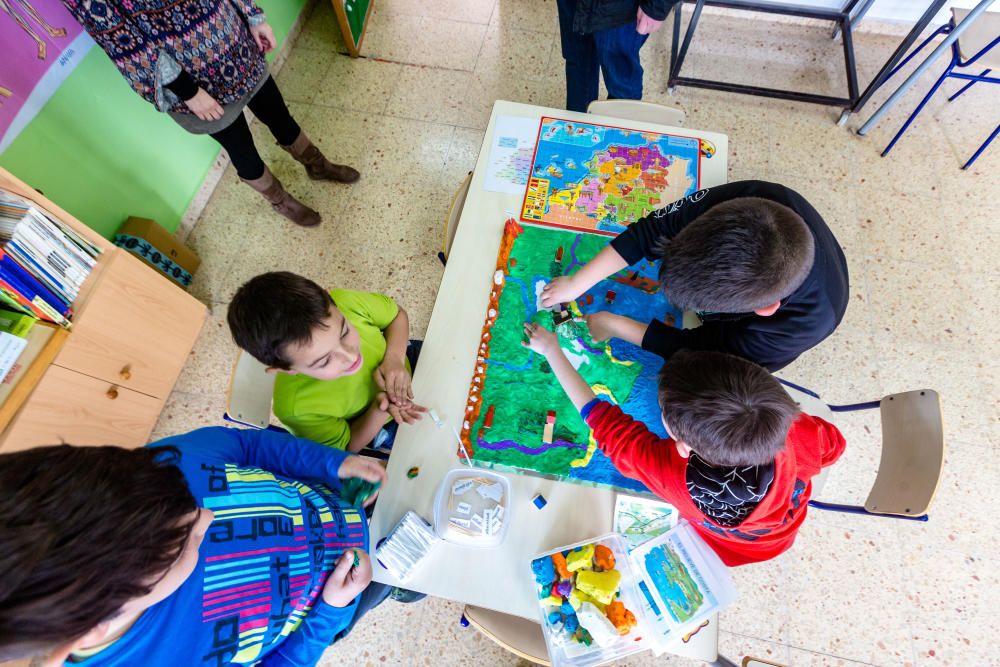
[103, 153]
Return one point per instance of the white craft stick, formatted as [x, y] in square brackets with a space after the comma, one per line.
[461, 447]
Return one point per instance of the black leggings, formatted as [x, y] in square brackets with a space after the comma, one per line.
[269, 107]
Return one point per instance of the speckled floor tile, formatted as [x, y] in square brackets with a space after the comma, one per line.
[831, 571]
[187, 412]
[359, 84]
[736, 647]
[305, 67]
[208, 367]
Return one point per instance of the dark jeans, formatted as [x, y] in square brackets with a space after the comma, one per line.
[371, 597]
[613, 52]
[269, 107]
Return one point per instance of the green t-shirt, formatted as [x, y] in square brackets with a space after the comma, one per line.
[321, 410]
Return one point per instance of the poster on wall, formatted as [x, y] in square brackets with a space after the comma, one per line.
[42, 43]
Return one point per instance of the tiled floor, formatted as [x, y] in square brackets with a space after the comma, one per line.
[922, 237]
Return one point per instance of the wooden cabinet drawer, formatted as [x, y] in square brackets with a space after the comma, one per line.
[134, 330]
[70, 407]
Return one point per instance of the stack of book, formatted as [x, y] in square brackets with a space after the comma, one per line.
[43, 262]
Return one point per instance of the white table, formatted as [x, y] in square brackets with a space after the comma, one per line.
[498, 578]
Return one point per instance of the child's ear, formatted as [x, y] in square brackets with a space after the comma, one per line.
[60, 655]
[682, 448]
[767, 311]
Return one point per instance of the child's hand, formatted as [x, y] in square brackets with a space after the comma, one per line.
[601, 325]
[540, 339]
[407, 413]
[560, 290]
[367, 468]
[392, 378]
[346, 581]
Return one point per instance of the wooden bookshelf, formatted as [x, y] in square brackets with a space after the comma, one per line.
[104, 380]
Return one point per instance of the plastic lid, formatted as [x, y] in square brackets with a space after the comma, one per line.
[472, 508]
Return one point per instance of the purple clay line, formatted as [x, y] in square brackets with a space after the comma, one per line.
[510, 444]
[592, 350]
[572, 254]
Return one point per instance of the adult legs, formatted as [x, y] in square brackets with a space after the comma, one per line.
[580, 54]
[618, 54]
[269, 106]
[238, 142]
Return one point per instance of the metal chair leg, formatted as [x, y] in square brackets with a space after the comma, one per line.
[982, 148]
[968, 85]
[923, 102]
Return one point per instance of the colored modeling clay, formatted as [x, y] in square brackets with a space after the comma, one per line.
[413, 472]
[564, 587]
[580, 558]
[553, 601]
[356, 491]
[583, 637]
[554, 617]
[559, 561]
[604, 558]
[577, 598]
[620, 617]
[597, 624]
[571, 623]
[545, 574]
[601, 586]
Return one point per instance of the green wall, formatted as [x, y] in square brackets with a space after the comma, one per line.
[103, 153]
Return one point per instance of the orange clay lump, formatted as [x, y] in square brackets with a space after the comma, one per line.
[620, 617]
[559, 561]
[604, 558]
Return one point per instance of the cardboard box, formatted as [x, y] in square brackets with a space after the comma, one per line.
[157, 247]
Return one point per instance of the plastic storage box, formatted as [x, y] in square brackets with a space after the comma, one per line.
[472, 508]
[564, 650]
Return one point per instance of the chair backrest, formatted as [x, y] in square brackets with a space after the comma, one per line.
[912, 454]
[518, 635]
[984, 31]
[455, 214]
[248, 400]
[647, 112]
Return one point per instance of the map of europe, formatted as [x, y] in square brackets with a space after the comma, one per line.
[597, 177]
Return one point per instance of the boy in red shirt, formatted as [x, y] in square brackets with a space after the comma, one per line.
[742, 459]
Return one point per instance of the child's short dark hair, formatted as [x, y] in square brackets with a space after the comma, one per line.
[275, 310]
[738, 256]
[83, 530]
[731, 411]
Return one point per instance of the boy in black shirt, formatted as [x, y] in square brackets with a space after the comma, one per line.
[754, 259]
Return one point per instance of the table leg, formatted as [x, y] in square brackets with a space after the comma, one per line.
[935, 54]
[896, 56]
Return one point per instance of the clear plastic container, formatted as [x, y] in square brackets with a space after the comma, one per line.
[566, 651]
[472, 508]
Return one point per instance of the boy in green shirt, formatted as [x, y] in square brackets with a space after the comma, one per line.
[342, 358]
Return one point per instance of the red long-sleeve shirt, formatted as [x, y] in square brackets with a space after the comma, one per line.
[770, 529]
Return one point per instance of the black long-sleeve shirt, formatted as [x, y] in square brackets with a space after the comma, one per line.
[805, 317]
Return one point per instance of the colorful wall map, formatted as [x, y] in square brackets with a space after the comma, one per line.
[603, 178]
[513, 388]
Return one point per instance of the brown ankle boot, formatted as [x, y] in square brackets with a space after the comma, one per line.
[282, 202]
[317, 166]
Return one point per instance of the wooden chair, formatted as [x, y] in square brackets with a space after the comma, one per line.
[248, 399]
[912, 455]
[646, 112]
[454, 215]
[518, 635]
